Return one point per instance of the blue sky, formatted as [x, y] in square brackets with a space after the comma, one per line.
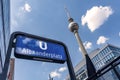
[98, 24]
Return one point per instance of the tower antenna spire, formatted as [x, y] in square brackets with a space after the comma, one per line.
[68, 15]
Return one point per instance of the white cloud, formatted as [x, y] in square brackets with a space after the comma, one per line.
[102, 40]
[26, 7]
[18, 15]
[55, 74]
[96, 16]
[119, 34]
[22, 10]
[87, 44]
[62, 69]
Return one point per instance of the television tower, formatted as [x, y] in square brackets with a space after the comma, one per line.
[73, 27]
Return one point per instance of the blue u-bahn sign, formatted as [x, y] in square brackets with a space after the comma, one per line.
[39, 49]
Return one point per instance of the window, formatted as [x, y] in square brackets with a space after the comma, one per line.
[83, 76]
[100, 54]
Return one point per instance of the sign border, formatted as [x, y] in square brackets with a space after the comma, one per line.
[35, 57]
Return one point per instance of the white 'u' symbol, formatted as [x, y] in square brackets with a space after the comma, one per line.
[43, 45]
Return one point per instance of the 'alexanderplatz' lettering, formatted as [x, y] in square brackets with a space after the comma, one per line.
[26, 51]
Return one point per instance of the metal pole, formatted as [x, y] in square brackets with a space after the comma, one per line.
[70, 67]
[7, 59]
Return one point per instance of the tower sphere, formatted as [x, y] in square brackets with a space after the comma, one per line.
[73, 26]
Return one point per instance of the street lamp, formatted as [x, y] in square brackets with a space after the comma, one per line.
[73, 26]
[50, 78]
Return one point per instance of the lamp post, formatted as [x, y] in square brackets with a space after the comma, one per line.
[50, 78]
[73, 26]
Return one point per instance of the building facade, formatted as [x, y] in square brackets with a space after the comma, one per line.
[4, 30]
[99, 57]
